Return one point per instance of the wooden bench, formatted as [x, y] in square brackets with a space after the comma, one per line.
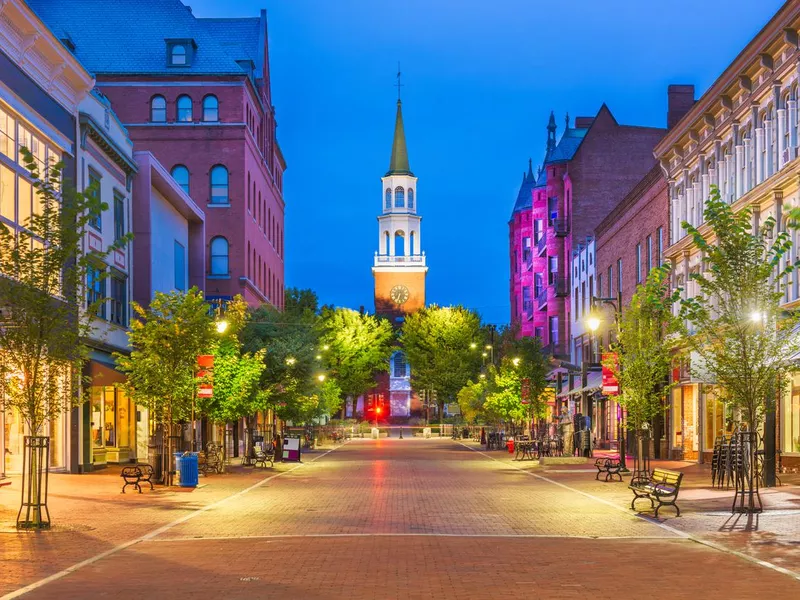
[135, 475]
[265, 456]
[609, 465]
[662, 486]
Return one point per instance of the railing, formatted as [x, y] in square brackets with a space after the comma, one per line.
[541, 298]
[385, 259]
[562, 287]
[561, 227]
[541, 244]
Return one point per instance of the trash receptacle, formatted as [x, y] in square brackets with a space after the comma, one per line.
[188, 469]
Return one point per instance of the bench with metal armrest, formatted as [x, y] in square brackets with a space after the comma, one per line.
[135, 475]
[662, 486]
[610, 465]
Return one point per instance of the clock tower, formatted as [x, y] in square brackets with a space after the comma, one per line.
[399, 267]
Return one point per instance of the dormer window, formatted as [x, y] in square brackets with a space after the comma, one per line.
[180, 52]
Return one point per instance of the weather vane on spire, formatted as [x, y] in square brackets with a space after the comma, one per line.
[398, 84]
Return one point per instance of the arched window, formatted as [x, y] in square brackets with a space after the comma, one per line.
[219, 256]
[399, 365]
[210, 108]
[410, 198]
[388, 198]
[399, 243]
[181, 176]
[219, 185]
[386, 240]
[411, 243]
[399, 197]
[184, 109]
[178, 56]
[158, 109]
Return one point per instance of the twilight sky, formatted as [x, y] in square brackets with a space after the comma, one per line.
[480, 79]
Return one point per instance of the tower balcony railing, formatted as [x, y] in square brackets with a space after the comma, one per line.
[541, 298]
[561, 227]
[388, 260]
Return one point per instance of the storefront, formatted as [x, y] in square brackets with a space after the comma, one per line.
[111, 418]
[789, 425]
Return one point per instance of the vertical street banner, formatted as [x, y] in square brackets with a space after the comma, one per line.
[610, 383]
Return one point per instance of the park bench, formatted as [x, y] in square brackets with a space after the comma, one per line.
[265, 456]
[135, 475]
[210, 461]
[610, 466]
[661, 486]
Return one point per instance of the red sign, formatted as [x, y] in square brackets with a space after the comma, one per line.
[526, 391]
[206, 391]
[610, 383]
[206, 361]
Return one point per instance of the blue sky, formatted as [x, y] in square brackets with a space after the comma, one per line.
[480, 80]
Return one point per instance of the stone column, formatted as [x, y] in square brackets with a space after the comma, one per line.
[738, 176]
[792, 129]
[759, 149]
[781, 138]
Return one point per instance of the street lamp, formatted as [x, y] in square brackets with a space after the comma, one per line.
[326, 347]
[321, 377]
[490, 348]
[222, 326]
[756, 317]
[515, 361]
[473, 345]
[291, 360]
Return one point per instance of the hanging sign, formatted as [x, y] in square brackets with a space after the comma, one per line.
[610, 383]
[206, 361]
[206, 390]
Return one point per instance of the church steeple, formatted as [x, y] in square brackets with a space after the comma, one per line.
[398, 165]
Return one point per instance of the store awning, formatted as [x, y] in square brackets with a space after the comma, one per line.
[594, 382]
[102, 374]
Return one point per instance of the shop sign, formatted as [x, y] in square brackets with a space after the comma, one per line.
[610, 383]
[206, 391]
[206, 361]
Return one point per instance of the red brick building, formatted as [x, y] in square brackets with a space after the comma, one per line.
[196, 93]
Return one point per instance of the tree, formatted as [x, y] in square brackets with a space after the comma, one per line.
[289, 341]
[355, 347]
[237, 391]
[471, 399]
[43, 314]
[438, 343]
[166, 338]
[645, 349]
[745, 341]
[527, 366]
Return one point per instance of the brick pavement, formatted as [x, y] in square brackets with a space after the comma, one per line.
[381, 519]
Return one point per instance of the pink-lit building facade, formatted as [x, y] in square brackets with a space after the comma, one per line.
[196, 94]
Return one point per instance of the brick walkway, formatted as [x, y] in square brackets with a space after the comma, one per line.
[389, 519]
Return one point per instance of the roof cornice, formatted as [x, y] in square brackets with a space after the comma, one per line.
[789, 11]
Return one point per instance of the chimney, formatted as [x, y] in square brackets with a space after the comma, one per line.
[680, 99]
[583, 122]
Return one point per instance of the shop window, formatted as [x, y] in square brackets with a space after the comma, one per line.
[8, 195]
[24, 201]
[790, 420]
[7, 134]
[111, 422]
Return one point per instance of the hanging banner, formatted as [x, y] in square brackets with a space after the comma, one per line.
[610, 383]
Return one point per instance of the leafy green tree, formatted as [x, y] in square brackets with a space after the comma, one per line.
[438, 342]
[646, 346]
[166, 338]
[471, 399]
[290, 344]
[355, 347]
[521, 357]
[746, 342]
[44, 315]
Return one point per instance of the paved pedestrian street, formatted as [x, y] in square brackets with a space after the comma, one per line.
[393, 518]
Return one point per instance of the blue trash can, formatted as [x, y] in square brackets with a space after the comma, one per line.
[189, 470]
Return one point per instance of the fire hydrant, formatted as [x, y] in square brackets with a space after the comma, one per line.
[510, 445]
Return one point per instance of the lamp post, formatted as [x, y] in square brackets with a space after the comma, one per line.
[593, 323]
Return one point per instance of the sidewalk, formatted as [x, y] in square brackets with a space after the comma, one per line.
[773, 535]
[90, 515]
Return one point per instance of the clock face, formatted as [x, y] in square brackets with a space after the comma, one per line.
[399, 294]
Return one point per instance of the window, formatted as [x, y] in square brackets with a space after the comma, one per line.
[219, 256]
[537, 284]
[538, 230]
[552, 209]
[180, 266]
[399, 243]
[527, 307]
[619, 275]
[96, 290]
[527, 256]
[590, 290]
[158, 109]
[119, 301]
[181, 176]
[638, 263]
[410, 198]
[184, 109]
[178, 55]
[219, 185]
[388, 203]
[94, 186]
[538, 332]
[552, 269]
[399, 197]
[119, 217]
[599, 290]
[649, 263]
[553, 322]
[210, 109]
[411, 243]
[8, 195]
[610, 282]
[659, 246]
[7, 134]
[399, 365]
